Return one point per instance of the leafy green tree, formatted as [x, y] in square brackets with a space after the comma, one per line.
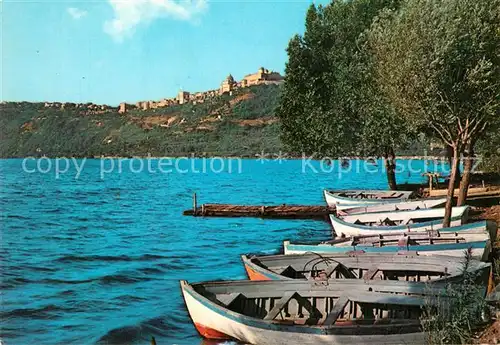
[488, 149]
[384, 129]
[329, 103]
[439, 64]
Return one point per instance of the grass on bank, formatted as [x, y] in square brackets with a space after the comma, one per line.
[455, 320]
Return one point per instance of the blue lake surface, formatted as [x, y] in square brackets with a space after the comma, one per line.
[97, 259]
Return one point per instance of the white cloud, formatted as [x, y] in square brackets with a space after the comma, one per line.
[130, 13]
[76, 13]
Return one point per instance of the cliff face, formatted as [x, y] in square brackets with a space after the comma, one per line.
[240, 124]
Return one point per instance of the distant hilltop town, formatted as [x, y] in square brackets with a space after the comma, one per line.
[87, 108]
[228, 85]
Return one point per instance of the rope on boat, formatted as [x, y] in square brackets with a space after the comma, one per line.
[321, 259]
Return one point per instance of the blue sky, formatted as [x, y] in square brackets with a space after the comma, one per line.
[128, 50]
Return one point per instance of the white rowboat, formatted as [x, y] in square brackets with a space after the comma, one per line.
[343, 228]
[333, 198]
[299, 312]
[367, 266]
[405, 217]
[475, 237]
[345, 209]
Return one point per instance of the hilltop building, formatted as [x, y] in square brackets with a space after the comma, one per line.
[228, 85]
[183, 97]
[263, 76]
[123, 108]
[87, 108]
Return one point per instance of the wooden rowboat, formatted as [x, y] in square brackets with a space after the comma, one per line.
[367, 266]
[494, 296]
[333, 197]
[405, 217]
[303, 312]
[343, 228]
[345, 209]
[450, 241]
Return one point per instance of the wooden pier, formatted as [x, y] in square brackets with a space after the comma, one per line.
[262, 211]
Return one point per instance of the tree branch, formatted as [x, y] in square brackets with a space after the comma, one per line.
[443, 129]
[445, 102]
[442, 123]
[477, 129]
[448, 142]
[461, 129]
[470, 123]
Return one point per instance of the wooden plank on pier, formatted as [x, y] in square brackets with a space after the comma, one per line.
[281, 211]
[472, 192]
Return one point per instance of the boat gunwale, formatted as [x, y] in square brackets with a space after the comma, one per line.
[348, 200]
[262, 270]
[334, 219]
[356, 208]
[368, 191]
[474, 265]
[394, 248]
[461, 210]
[274, 325]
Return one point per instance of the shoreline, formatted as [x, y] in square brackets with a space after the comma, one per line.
[252, 157]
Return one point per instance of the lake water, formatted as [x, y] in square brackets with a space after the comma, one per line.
[97, 259]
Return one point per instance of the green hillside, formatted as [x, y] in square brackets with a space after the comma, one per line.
[242, 124]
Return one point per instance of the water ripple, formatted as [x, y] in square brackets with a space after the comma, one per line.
[98, 260]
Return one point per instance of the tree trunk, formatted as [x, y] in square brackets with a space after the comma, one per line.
[464, 183]
[451, 187]
[390, 168]
[449, 155]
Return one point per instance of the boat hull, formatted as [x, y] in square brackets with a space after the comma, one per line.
[479, 250]
[343, 228]
[209, 316]
[332, 198]
[435, 268]
[389, 207]
[405, 216]
[258, 273]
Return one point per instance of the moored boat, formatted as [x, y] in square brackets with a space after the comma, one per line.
[347, 209]
[335, 197]
[304, 312]
[450, 241]
[405, 217]
[367, 266]
[343, 228]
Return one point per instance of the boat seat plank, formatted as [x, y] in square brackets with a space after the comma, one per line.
[407, 252]
[228, 298]
[287, 296]
[325, 294]
[338, 307]
[387, 266]
[386, 299]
